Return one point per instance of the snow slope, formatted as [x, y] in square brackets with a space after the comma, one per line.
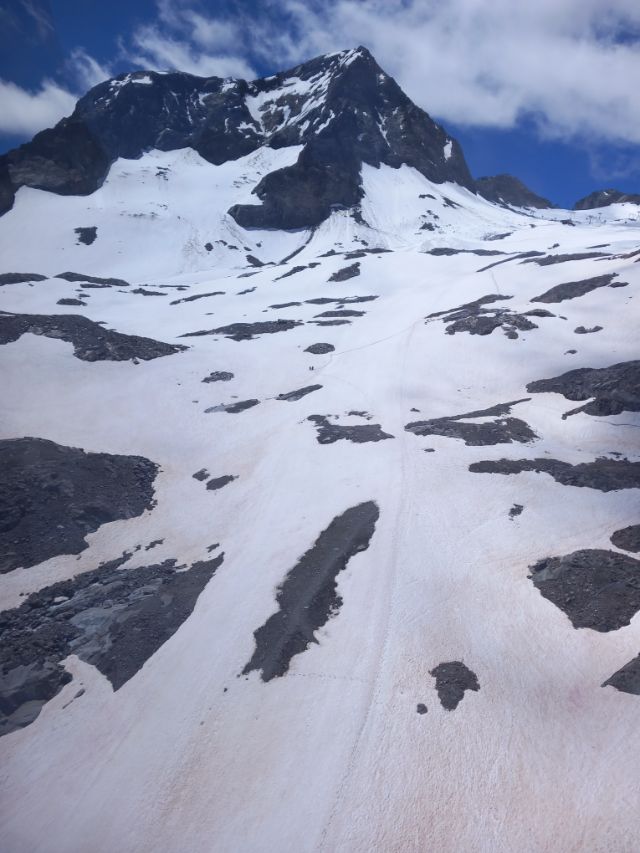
[193, 755]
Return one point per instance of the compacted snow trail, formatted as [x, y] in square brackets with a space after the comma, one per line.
[290, 592]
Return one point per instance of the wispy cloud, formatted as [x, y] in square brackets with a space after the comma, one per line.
[25, 112]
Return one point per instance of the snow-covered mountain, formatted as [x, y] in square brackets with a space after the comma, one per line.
[319, 498]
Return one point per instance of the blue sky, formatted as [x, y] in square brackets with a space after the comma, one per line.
[547, 90]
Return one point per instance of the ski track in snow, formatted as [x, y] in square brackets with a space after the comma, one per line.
[192, 754]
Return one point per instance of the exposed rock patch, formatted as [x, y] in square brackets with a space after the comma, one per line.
[628, 539]
[453, 679]
[610, 390]
[606, 475]
[346, 273]
[111, 618]
[574, 289]
[582, 330]
[218, 376]
[196, 296]
[308, 596]
[20, 277]
[233, 408]
[473, 318]
[247, 331]
[320, 349]
[328, 433]
[52, 496]
[86, 235]
[93, 279]
[596, 589]
[502, 430]
[626, 679]
[216, 483]
[70, 301]
[291, 396]
[91, 342]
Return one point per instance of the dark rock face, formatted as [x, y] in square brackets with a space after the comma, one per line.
[503, 430]
[247, 331]
[68, 159]
[610, 390]
[352, 101]
[20, 277]
[52, 496]
[628, 539]
[606, 475]
[452, 680]
[86, 235]
[308, 596]
[603, 198]
[320, 349]
[328, 433]
[509, 191]
[573, 289]
[291, 396]
[626, 679]
[596, 589]
[91, 342]
[112, 618]
[515, 511]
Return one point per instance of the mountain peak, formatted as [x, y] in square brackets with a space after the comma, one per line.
[342, 108]
[603, 198]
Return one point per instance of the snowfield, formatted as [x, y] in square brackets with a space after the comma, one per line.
[194, 753]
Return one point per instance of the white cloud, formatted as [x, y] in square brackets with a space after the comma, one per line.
[572, 64]
[183, 39]
[25, 112]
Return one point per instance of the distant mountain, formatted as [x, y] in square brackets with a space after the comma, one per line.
[505, 189]
[341, 108]
[603, 198]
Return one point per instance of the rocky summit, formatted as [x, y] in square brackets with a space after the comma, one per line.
[319, 482]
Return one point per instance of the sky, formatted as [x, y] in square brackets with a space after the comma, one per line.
[547, 90]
